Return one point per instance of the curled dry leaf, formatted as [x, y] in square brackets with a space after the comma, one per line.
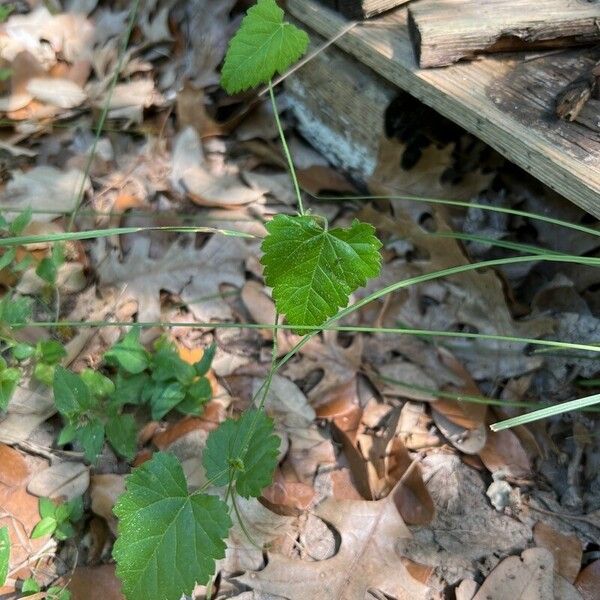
[566, 550]
[56, 91]
[190, 175]
[47, 188]
[588, 581]
[503, 451]
[528, 577]
[95, 583]
[366, 558]
[288, 497]
[19, 512]
[104, 491]
[66, 480]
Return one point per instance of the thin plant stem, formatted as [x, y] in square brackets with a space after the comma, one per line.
[426, 333]
[286, 150]
[544, 413]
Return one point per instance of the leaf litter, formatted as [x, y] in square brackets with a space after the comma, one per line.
[385, 479]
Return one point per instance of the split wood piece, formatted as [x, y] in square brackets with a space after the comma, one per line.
[362, 9]
[580, 100]
[446, 31]
[506, 101]
[340, 107]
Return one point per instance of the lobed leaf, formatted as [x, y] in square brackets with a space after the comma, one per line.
[242, 451]
[168, 539]
[313, 270]
[263, 45]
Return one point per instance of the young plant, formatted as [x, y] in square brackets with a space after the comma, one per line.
[161, 379]
[90, 415]
[312, 270]
[57, 519]
[31, 586]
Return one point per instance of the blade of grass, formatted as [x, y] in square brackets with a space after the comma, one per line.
[461, 204]
[102, 233]
[316, 329]
[544, 413]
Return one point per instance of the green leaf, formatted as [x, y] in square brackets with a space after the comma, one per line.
[243, 451]
[9, 378]
[64, 531]
[22, 351]
[4, 554]
[263, 45]
[8, 256]
[30, 586]
[47, 526]
[71, 394]
[313, 270]
[56, 592]
[46, 507]
[165, 397]
[15, 311]
[47, 270]
[203, 365]
[129, 354]
[197, 395]
[168, 539]
[128, 389]
[98, 384]
[20, 221]
[50, 351]
[168, 365]
[44, 373]
[121, 433]
[67, 434]
[91, 437]
[5, 10]
[75, 508]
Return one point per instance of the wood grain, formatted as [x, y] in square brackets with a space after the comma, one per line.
[362, 9]
[446, 31]
[507, 101]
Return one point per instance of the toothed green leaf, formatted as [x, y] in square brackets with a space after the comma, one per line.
[313, 270]
[263, 45]
[243, 451]
[168, 539]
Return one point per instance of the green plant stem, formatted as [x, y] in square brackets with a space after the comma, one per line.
[102, 233]
[286, 150]
[104, 114]
[544, 413]
[458, 203]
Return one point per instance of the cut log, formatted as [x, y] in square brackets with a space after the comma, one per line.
[446, 31]
[340, 107]
[362, 9]
[508, 101]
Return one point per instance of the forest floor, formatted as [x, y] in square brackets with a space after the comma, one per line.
[390, 483]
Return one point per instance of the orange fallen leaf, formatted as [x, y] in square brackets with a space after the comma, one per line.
[288, 497]
[95, 583]
[588, 581]
[566, 549]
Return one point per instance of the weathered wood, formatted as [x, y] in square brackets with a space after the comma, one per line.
[340, 107]
[446, 31]
[362, 9]
[507, 102]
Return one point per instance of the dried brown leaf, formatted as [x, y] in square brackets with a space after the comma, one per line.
[566, 550]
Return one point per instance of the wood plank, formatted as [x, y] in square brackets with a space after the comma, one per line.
[362, 9]
[506, 101]
[446, 31]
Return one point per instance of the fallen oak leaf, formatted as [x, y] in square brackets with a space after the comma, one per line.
[566, 550]
[367, 558]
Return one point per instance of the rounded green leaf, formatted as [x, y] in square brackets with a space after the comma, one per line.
[243, 451]
[263, 45]
[46, 526]
[168, 539]
[313, 270]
